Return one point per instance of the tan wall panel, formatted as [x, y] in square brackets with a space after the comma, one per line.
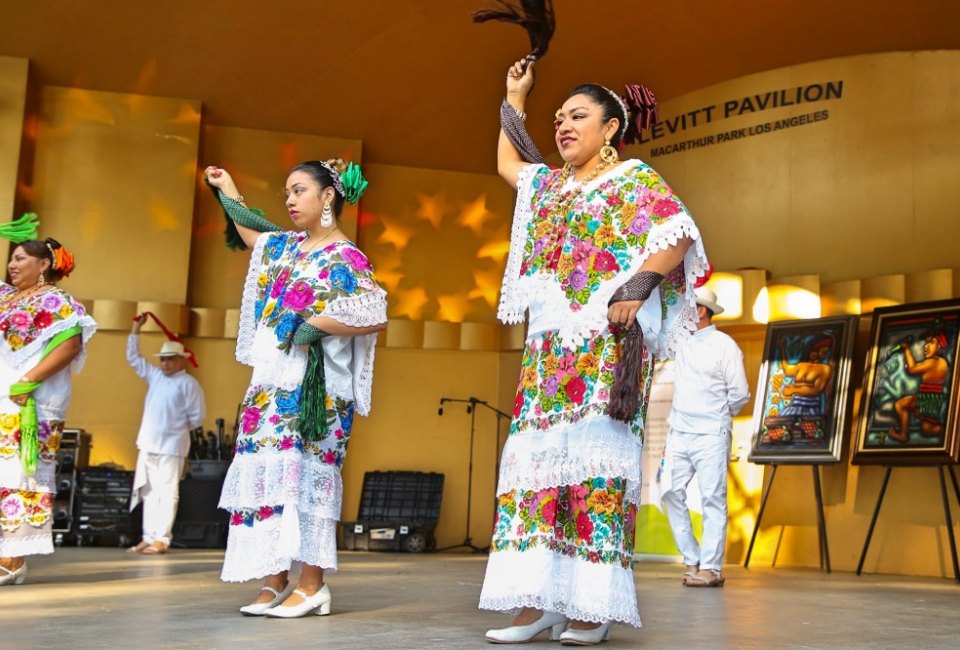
[114, 182]
[259, 162]
[438, 241]
[13, 98]
[869, 191]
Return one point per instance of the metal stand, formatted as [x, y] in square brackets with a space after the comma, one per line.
[472, 403]
[821, 520]
[946, 515]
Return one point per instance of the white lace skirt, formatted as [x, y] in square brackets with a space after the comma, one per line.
[564, 529]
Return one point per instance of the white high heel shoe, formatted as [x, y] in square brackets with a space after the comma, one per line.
[586, 637]
[17, 577]
[523, 633]
[318, 603]
[257, 609]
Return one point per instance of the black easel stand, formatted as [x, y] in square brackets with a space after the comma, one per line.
[946, 515]
[821, 521]
[472, 403]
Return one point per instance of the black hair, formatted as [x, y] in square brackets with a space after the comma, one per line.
[320, 173]
[611, 108]
[43, 249]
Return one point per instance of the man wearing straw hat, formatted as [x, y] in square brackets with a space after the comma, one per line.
[173, 407]
[710, 388]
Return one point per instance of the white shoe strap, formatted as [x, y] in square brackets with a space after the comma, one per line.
[301, 594]
[271, 590]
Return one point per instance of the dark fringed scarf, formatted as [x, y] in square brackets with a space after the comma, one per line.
[535, 16]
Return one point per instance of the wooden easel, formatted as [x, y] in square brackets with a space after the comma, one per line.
[946, 515]
[821, 521]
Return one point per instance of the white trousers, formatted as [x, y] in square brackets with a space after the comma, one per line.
[160, 493]
[707, 456]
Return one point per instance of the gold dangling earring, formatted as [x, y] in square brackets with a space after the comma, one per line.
[608, 154]
[326, 217]
[42, 280]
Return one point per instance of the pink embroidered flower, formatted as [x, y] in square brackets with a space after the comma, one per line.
[605, 261]
[280, 283]
[356, 259]
[12, 507]
[20, 320]
[575, 389]
[52, 302]
[274, 419]
[665, 208]
[286, 443]
[266, 512]
[299, 297]
[46, 500]
[338, 433]
[236, 519]
[549, 512]
[578, 497]
[324, 274]
[330, 458]
[568, 365]
[251, 419]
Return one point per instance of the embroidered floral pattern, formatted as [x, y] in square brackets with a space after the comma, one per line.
[600, 234]
[49, 433]
[28, 319]
[589, 521]
[562, 385]
[19, 507]
[249, 517]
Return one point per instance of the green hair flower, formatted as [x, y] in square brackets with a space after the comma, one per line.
[354, 184]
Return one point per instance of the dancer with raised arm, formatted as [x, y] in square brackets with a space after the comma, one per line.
[603, 259]
[311, 309]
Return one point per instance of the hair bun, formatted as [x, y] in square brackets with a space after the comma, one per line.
[338, 165]
[52, 243]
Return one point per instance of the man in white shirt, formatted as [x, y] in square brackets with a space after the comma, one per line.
[173, 407]
[710, 388]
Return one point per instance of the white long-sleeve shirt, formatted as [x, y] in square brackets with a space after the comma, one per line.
[711, 383]
[173, 406]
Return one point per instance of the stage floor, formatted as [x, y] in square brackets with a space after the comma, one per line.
[103, 598]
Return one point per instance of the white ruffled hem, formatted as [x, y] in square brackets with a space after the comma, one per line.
[571, 453]
[254, 552]
[280, 478]
[13, 545]
[581, 591]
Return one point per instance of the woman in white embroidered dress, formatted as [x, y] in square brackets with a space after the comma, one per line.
[597, 248]
[311, 309]
[43, 332]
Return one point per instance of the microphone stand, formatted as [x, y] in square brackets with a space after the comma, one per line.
[472, 403]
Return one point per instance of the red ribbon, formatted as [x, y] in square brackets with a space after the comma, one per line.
[171, 337]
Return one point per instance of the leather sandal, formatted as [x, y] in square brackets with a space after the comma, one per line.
[138, 548]
[706, 578]
[157, 548]
[692, 570]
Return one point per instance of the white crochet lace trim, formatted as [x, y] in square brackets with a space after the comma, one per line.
[538, 578]
[291, 479]
[366, 310]
[572, 453]
[512, 302]
[13, 545]
[364, 350]
[253, 552]
[248, 324]
[572, 328]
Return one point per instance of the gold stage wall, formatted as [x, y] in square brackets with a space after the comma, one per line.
[838, 215]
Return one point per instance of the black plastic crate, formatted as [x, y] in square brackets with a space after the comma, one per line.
[412, 497]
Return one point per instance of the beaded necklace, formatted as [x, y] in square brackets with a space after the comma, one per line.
[558, 208]
[19, 295]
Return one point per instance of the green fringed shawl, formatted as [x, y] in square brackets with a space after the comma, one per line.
[313, 405]
[236, 213]
[29, 425]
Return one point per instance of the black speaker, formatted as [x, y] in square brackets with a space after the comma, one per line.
[199, 523]
[72, 456]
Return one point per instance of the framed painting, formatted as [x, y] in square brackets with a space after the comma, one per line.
[908, 409]
[802, 398]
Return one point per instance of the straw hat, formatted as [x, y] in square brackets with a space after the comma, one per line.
[707, 298]
[172, 349]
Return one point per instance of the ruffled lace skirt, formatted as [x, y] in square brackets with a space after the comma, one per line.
[283, 493]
